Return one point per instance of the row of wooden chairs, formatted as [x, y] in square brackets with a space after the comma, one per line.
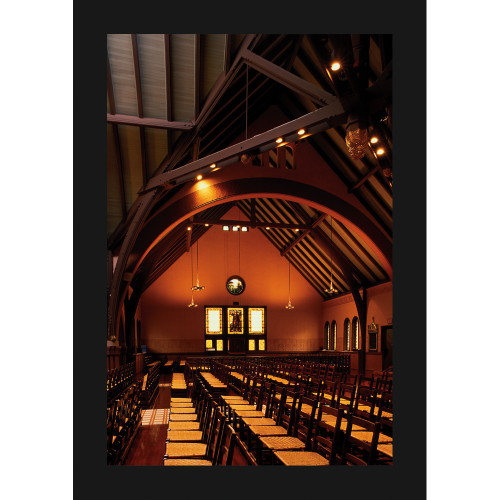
[150, 385]
[119, 379]
[288, 424]
[123, 421]
[205, 437]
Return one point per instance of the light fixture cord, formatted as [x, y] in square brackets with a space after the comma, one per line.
[197, 279]
[246, 109]
[192, 278]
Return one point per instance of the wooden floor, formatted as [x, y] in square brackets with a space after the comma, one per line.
[148, 447]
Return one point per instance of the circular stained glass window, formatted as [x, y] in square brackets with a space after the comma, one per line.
[235, 285]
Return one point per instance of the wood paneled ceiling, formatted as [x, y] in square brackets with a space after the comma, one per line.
[174, 98]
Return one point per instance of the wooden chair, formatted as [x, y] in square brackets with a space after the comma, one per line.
[206, 450]
[346, 395]
[364, 403]
[360, 445]
[328, 436]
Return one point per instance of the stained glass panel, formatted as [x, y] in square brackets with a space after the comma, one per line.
[256, 320]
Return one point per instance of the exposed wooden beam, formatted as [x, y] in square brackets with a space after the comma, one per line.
[303, 235]
[144, 159]
[116, 143]
[227, 54]
[197, 74]
[314, 122]
[364, 178]
[293, 82]
[148, 122]
[137, 74]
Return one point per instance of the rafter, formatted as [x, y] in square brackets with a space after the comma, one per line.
[293, 82]
[314, 122]
[303, 235]
[148, 122]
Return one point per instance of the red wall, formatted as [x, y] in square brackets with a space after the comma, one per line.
[169, 326]
[379, 308]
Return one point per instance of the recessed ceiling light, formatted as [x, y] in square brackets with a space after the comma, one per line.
[189, 228]
[268, 228]
[236, 228]
[380, 151]
[244, 229]
[199, 177]
[374, 140]
[206, 225]
[213, 165]
[296, 230]
[225, 228]
[279, 140]
[301, 131]
[335, 66]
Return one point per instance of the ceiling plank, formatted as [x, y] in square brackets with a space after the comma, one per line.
[116, 144]
[148, 122]
[111, 95]
[168, 89]
[197, 74]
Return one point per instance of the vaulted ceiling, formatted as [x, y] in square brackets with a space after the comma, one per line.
[175, 99]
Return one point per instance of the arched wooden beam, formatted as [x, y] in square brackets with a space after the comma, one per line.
[192, 203]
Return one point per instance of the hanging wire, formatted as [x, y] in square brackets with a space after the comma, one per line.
[289, 306]
[197, 287]
[246, 108]
[192, 304]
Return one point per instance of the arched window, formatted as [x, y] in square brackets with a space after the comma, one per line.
[355, 333]
[327, 336]
[347, 335]
[333, 336]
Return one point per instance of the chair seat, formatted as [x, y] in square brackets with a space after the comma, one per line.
[182, 411]
[282, 443]
[232, 398]
[385, 449]
[258, 421]
[184, 435]
[182, 417]
[180, 450]
[301, 458]
[180, 400]
[181, 405]
[241, 406]
[249, 413]
[186, 461]
[184, 426]
[268, 430]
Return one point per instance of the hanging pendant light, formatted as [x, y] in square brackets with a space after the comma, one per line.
[192, 301]
[197, 286]
[289, 306]
[331, 289]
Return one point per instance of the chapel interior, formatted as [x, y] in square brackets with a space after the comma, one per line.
[249, 250]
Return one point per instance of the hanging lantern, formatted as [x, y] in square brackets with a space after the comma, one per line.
[356, 137]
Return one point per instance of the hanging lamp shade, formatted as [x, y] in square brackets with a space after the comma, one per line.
[356, 137]
[197, 287]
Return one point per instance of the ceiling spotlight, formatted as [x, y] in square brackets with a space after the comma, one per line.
[244, 229]
[225, 228]
[189, 228]
[213, 165]
[301, 131]
[199, 177]
[335, 66]
[236, 228]
[268, 228]
[374, 140]
[380, 151]
[279, 140]
[206, 225]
